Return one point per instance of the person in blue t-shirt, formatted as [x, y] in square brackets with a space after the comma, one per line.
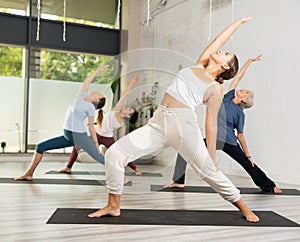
[74, 128]
[231, 118]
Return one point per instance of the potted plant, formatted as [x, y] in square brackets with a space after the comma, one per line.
[145, 106]
[3, 145]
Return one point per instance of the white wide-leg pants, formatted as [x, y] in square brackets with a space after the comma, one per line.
[175, 127]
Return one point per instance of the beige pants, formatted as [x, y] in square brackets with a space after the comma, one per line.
[175, 127]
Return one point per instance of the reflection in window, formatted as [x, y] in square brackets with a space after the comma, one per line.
[60, 82]
[55, 80]
[73, 67]
[17, 7]
[100, 13]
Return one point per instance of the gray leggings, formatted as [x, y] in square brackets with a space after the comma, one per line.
[175, 127]
[71, 139]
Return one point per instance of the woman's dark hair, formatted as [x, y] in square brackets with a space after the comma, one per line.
[100, 118]
[134, 117]
[231, 72]
[101, 103]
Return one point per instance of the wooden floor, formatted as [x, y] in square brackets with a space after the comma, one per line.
[25, 208]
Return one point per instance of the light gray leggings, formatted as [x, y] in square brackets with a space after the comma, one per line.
[175, 127]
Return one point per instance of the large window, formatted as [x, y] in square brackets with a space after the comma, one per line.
[11, 98]
[55, 80]
[41, 71]
[17, 7]
[101, 13]
[60, 82]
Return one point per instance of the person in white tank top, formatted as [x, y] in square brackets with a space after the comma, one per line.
[175, 124]
[113, 120]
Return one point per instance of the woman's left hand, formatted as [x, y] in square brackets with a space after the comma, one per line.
[252, 161]
[257, 58]
[217, 166]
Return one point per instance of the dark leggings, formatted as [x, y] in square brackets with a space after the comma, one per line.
[70, 138]
[102, 140]
[235, 152]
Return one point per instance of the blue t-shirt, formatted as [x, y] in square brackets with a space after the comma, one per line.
[230, 118]
[78, 111]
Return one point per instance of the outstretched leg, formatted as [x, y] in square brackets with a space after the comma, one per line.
[55, 143]
[248, 214]
[198, 157]
[133, 167]
[141, 142]
[258, 176]
[72, 159]
[27, 176]
[107, 142]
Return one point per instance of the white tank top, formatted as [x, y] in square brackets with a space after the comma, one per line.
[109, 124]
[187, 88]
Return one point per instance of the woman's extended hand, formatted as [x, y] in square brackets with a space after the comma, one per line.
[135, 79]
[257, 58]
[103, 68]
[245, 20]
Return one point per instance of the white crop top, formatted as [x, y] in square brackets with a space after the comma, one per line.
[187, 88]
[109, 124]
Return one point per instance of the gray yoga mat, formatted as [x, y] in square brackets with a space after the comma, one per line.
[52, 181]
[203, 189]
[144, 174]
[169, 217]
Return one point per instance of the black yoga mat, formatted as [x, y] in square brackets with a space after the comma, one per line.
[148, 174]
[243, 190]
[169, 217]
[52, 181]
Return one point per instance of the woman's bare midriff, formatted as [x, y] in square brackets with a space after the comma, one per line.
[170, 102]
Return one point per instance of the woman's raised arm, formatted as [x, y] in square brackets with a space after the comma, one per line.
[90, 78]
[241, 73]
[220, 40]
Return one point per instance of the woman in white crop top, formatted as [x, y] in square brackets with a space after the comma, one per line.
[113, 120]
[175, 124]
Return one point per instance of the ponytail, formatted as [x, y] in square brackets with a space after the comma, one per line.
[231, 72]
[220, 79]
[100, 118]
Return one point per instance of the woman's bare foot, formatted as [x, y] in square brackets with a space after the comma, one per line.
[108, 210]
[138, 172]
[24, 178]
[248, 214]
[176, 185]
[126, 181]
[65, 170]
[251, 217]
[277, 190]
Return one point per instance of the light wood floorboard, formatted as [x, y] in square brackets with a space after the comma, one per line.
[25, 208]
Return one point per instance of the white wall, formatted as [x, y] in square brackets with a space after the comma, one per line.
[181, 29]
